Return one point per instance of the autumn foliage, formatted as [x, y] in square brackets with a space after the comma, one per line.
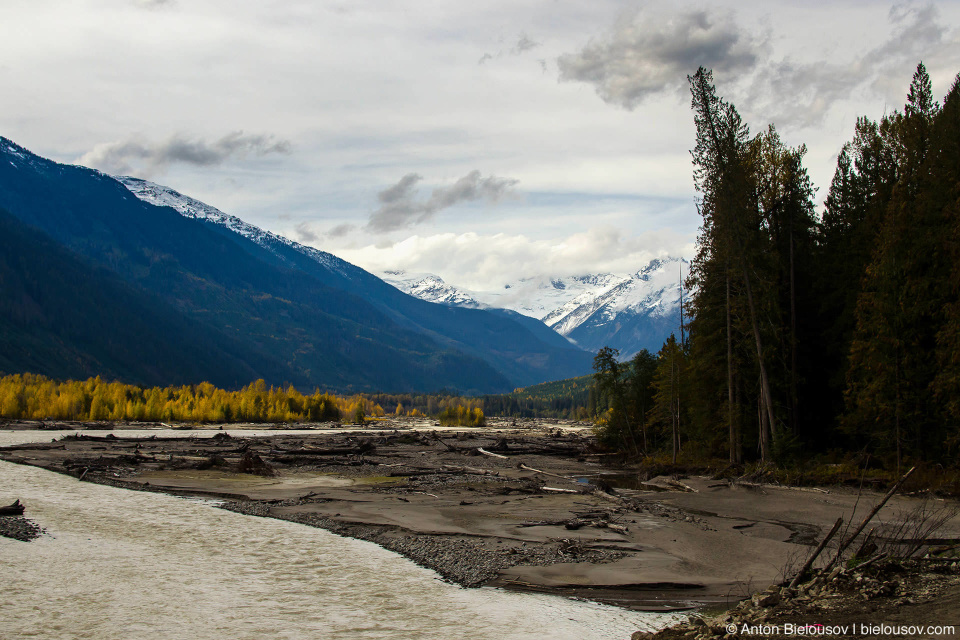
[33, 397]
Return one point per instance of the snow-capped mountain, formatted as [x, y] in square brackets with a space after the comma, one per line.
[521, 349]
[629, 312]
[639, 312]
[431, 288]
[192, 208]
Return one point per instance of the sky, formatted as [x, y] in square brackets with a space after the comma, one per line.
[480, 141]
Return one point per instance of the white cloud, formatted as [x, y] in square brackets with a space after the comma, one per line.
[647, 55]
[486, 262]
[883, 71]
[370, 91]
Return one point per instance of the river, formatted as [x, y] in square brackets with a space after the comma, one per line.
[123, 565]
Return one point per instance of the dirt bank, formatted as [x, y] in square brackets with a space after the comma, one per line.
[527, 506]
[917, 598]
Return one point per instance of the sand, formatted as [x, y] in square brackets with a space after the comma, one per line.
[483, 519]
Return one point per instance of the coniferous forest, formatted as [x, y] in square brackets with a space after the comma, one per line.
[812, 334]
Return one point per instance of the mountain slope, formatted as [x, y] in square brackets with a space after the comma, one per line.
[320, 335]
[637, 313]
[524, 351]
[325, 321]
[62, 317]
[627, 312]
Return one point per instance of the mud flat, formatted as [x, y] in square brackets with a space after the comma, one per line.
[530, 506]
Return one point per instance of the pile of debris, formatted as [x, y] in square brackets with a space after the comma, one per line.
[862, 588]
[833, 597]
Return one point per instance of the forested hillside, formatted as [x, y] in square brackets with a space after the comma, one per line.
[98, 282]
[810, 333]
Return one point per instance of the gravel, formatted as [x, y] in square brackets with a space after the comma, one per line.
[468, 562]
[19, 528]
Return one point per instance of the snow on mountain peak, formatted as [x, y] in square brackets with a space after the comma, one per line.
[568, 302]
[192, 208]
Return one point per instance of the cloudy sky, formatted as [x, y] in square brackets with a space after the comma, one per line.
[481, 141]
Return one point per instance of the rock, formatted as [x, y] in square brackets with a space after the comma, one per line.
[766, 600]
[697, 622]
[641, 635]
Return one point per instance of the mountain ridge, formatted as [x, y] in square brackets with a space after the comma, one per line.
[326, 321]
[496, 335]
[625, 311]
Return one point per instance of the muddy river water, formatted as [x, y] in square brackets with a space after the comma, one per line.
[120, 564]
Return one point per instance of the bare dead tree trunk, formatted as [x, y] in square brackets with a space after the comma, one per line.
[764, 430]
[673, 407]
[764, 380]
[896, 487]
[735, 453]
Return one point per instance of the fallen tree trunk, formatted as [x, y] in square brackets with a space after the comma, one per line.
[846, 543]
[335, 451]
[472, 470]
[541, 451]
[15, 509]
[813, 556]
[546, 473]
[492, 455]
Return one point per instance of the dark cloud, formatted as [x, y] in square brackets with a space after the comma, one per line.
[399, 206]
[340, 230]
[814, 87]
[401, 190]
[305, 233]
[126, 155]
[645, 55]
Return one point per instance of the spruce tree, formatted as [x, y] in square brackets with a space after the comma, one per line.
[899, 308]
[724, 178]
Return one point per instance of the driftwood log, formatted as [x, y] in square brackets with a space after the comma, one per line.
[893, 490]
[813, 556]
[15, 509]
[488, 453]
[359, 450]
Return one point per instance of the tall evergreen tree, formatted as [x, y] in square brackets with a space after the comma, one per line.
[899, 307]
[943, 162]
[667, 411]
[753, 262]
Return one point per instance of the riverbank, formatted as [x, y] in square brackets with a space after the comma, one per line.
[917, 598]
[527, 506]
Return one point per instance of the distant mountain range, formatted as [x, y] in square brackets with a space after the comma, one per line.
[629, 312]
[131, 280]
